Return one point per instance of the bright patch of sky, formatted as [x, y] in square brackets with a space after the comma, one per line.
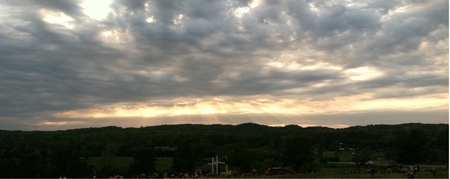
[58, 18]
[96, 9]
[240, 11]
[150, 20]
[363, 73]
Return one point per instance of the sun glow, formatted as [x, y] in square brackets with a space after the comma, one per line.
[115, 36]
[178, 20]
[97, 9]
[60, 123]
[150, 20]
[363, 73]
[57, 18]
[239, 12]
[264, 106]
[107, 33]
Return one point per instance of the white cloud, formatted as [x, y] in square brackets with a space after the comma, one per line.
[363, 73]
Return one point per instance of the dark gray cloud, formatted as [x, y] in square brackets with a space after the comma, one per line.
[203, 49]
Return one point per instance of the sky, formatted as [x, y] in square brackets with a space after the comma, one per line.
[335, 63]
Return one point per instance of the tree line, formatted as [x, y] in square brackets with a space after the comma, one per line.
[246, 146]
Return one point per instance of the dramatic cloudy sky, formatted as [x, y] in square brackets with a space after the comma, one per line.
[336, 63]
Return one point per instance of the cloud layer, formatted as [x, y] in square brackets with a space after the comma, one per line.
[75, 63]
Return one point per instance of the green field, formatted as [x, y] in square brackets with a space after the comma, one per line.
[118, 162]
[443, 174]
[163, 163]
[335, 170]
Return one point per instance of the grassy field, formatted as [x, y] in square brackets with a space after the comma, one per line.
[346, 156]
[328, 171]
[118, 162]
[163, 163]
[443, 174]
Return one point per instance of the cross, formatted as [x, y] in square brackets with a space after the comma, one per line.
[215, 163]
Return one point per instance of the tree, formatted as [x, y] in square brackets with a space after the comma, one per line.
[361, 157]
[144, 161]
[442, 145]
[188, 155]
[239, 156]
[297, 150]
[9, 168]
[66, 161]
[32, 165]
[409, 146]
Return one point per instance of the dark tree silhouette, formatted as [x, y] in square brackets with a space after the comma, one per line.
[144, 161]
[361, 157]
[188, 155]
[409, 146]
[66, 161]
[238, 156]
[297, 150]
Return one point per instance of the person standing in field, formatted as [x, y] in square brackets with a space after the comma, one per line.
[411, 172]
[372, 171]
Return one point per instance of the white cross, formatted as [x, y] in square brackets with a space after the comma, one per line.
[215, 163]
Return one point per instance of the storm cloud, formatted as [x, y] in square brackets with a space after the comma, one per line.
[71, 63]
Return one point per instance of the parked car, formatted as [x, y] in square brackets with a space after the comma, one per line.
[279, 171]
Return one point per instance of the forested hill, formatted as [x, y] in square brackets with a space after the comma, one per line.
[94, 140]
[247, 146]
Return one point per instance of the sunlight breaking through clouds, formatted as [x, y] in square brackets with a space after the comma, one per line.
[57, 18]
[262, 106]
[105, 62]
[240, 11]
[150, 20]
[97, 9]
[363, 73]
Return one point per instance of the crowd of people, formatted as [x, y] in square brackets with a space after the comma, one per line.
[197, 174]
[410, 172]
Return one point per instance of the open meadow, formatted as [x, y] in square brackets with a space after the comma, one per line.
[329, 170]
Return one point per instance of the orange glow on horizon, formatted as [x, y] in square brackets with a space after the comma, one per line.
[264, 106]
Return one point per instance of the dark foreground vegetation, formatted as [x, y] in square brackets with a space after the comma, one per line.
[311, 152]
